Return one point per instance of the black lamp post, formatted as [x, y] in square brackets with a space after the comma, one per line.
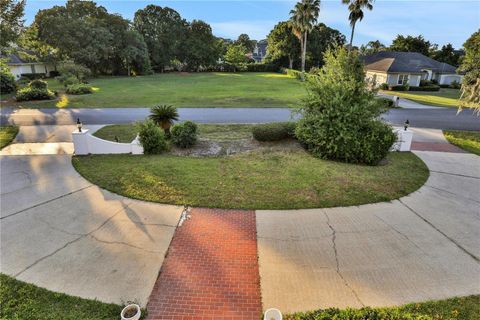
[79, 125]
[407, 123]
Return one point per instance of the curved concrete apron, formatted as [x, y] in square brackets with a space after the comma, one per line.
[423, 246]
[60, 232]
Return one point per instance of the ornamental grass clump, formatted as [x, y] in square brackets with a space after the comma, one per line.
[340, 113]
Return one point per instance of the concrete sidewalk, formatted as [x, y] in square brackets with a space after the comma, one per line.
[423, 246]
[60, 232]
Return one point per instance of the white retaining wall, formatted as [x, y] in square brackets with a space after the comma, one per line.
[85, 143]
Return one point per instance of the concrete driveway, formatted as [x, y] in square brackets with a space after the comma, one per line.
[60, 232]
[423, 246]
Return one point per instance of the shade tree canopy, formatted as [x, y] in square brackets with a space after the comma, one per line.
[11, 21]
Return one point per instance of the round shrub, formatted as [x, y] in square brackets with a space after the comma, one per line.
[274, 131]
[151, 137]
[339, 114]
[29, 93]
[7, 80]
[68, 80]
[38, 84]
[79, 88]
[184, 135]
[384, 86]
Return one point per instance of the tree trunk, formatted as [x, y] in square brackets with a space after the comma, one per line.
[304, 52]
[290, 62]
[351, 37]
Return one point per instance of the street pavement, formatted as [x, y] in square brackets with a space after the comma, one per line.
[437, 118]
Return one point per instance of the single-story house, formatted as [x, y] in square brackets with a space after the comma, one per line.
[19, 66]
[401, 68]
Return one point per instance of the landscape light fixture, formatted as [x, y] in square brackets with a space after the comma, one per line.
[406, 125]
[79, 125]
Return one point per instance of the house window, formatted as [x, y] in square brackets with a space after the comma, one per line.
[403, 79]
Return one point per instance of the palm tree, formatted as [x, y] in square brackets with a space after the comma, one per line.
[356, 13]
[303, 17]
[164, 116]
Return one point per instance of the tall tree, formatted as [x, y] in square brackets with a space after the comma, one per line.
[320, 40]
[200, 45]
[244, 40]
[134, 53]
[471, 66]
[411, 44]
[283, 43]
[356, 14]
[164, 30]
[236, 54]
[11, 21]
[303, 17]
[448, 55]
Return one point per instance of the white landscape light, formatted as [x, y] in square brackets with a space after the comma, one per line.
[272, 314]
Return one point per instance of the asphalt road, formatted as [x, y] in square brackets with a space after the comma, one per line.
[439, 118]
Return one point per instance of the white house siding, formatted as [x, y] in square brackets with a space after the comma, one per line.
[378, 77]
[18, 70]
[449, 78]
[414, 80]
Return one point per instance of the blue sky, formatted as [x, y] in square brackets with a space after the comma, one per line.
[438, 21]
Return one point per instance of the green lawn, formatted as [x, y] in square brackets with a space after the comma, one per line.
[444, 98]
[7, 134]
[254, 180]
[464, 308]
[20, 300]
[219, 132]
[467, 140]
[246, 89]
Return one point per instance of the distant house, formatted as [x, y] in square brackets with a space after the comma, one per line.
[19, 66]
[401, 68]
[260, 51]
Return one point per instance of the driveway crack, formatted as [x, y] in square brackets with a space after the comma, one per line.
[442, 233]
[69, 242]
[123, 243]
[334, 244]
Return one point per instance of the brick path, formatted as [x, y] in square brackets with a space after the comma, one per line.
[211, 270]
[436, 146]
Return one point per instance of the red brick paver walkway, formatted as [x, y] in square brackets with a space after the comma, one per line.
[436, 146]
[211, 270]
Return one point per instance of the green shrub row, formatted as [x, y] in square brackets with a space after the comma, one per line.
[28, 93]
[274, 131]
[79, 88]
[184, 135]
[431, 87]
[242, 67]
[298, 74]
[357, 314]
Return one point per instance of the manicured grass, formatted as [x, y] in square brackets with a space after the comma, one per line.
[256, 180]
[7, 134]
[467, 140]
[444, 98]
[246, 89]
[20, 300]
[464, 308]
[128, 132]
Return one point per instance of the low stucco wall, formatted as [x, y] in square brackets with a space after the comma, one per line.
[84, 143]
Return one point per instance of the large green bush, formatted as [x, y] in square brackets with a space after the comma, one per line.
[151, 137]
[274, 131]
[358, 314]
[36, 90]
[340, 112]
[7, 81]
[184, 135]
[71, 73]
[79, 88]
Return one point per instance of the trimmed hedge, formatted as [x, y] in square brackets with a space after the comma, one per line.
[357, 314]
[79, 88]
[29, 93]
[39, 84]
[431, 87]
[32, 76]
[398, 88]
[184, 135]
[274, 131]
